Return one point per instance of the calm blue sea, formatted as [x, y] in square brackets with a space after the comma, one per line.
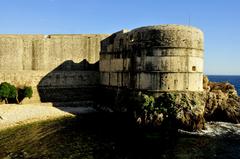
[235, 80]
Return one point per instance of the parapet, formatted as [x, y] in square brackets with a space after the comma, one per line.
[162, 36]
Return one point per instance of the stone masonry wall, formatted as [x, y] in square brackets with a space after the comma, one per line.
[156, 59]
[64, 68]
[59, 67]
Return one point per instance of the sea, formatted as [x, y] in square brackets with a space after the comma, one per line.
[235, 80]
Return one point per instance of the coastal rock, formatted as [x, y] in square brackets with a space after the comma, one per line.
[174, 110]
[222, 103]
[189, 110]
[178, 110]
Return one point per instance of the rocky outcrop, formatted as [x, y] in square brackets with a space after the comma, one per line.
[177, 110]
[174, 110]
[222, 102]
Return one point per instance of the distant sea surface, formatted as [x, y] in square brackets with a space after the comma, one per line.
[235, 80]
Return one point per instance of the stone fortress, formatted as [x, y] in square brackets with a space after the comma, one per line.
[69, 68]
[155, 59]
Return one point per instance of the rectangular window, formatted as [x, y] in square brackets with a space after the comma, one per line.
[194, 68]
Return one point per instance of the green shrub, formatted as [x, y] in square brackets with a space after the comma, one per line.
[27, 91]
[4, 91]
[24, 92]
[8, 91]
[13, 91]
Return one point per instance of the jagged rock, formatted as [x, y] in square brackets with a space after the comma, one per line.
[180, 110]
[222, 103]
[205, 82]
[188, 110]
[174, 110]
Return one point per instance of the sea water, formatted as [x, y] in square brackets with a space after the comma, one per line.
[110, 136]
[235, 80]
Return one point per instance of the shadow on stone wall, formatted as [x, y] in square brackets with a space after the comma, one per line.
[70, 84]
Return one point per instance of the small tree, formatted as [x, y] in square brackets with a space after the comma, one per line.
[8, 91]
[4, 91]
[24, 92]
[13, 94]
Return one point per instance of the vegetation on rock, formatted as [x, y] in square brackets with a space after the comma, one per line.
[174, 110]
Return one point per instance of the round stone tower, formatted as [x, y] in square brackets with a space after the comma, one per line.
[156, 59]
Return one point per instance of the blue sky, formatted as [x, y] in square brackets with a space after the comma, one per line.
[219, 20]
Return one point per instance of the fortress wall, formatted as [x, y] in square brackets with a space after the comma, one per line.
[11, 51]
[59, 67]
[155, 59]
[39, 52]
[63, 68]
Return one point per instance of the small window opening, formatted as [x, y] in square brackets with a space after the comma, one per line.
[194, 68]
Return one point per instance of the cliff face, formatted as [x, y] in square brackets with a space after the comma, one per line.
[190, 110]
[184, 110]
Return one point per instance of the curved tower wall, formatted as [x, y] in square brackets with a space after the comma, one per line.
[156, 59]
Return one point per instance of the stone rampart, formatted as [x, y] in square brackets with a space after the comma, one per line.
[156, 59]
[63, 68]
[58, 67]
